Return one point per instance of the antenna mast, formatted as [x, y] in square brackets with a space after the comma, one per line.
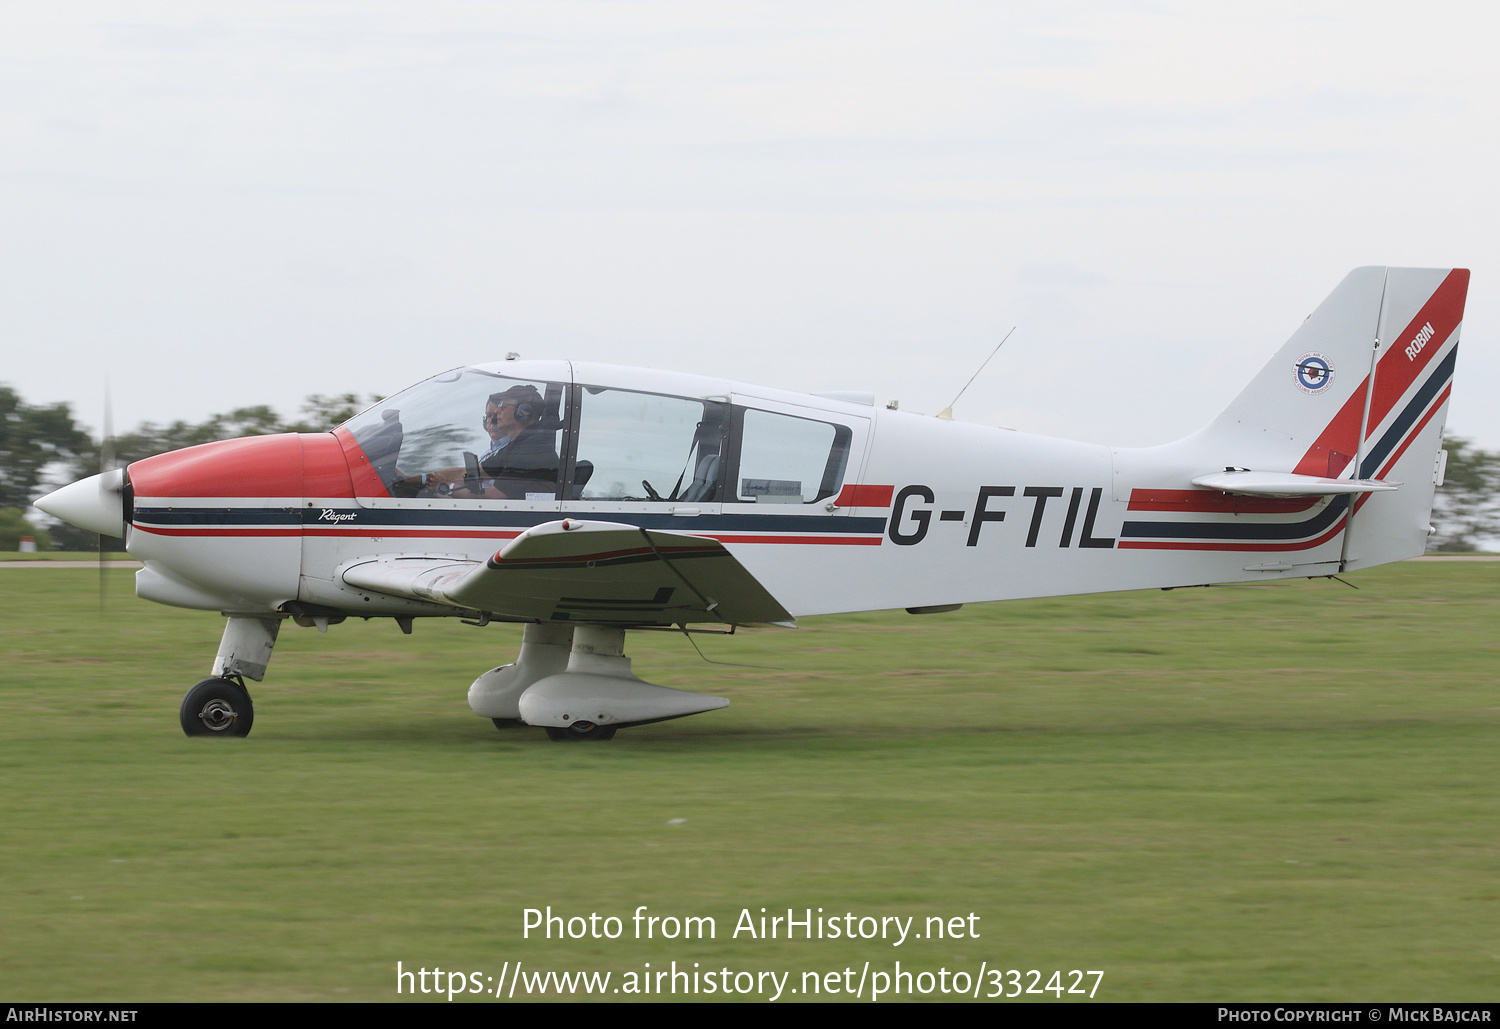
[947, 413]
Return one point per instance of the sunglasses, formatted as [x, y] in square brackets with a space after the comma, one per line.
[490, 417]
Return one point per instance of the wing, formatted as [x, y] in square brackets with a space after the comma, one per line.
[592, 572]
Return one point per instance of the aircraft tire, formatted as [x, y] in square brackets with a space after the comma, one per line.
[572, 734]
[508, 723]
[217, 707]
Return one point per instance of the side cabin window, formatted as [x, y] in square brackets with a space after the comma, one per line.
[467, 434]
[636, 446]
[784, 459]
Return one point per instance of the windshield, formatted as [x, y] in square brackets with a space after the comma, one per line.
[467, 432]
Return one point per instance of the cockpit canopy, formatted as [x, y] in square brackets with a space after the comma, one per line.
[481, 433]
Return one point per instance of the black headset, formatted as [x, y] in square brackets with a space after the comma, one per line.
[528, 408]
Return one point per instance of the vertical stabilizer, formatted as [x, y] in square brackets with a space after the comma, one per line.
[1359, 391]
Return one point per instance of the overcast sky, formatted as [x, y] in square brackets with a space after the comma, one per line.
[240, 203]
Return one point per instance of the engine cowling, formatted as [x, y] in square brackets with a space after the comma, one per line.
[219, 526]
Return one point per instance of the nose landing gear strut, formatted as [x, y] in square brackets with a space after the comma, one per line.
[221, 706]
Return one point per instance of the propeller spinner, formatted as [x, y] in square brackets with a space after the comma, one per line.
[96, 503]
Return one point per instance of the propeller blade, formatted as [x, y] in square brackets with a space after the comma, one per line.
[106, 464]
[107, 444]
[101, 575]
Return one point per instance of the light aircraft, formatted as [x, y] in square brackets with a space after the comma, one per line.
[584, 500]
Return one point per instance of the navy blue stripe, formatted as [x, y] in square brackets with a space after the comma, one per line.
[384, 518]
[1240, 530]
[218, 515]
[1409, 415]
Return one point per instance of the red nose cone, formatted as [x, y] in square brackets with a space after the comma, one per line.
[256, 466]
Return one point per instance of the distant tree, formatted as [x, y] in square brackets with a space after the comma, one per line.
[31, 439]
[1466, 508]
[321, 413]
[13, 526]
[62, 536]
[259, 420]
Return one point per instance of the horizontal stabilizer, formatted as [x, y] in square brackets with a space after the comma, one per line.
[1288, 484]
[601, 573]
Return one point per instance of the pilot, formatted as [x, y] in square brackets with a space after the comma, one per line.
[522, 457]
[520, 448]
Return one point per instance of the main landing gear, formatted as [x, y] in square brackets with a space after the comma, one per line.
[581, 730]
[575, 682]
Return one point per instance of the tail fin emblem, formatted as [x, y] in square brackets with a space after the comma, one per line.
[1314, 373]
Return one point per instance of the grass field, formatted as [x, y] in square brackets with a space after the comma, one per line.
[62, 555]
[1275, 792]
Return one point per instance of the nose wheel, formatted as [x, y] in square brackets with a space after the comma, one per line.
[217, 707]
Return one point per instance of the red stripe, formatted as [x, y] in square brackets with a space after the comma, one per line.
[865, 496]
[848, 541]
[1394, 374]
[366, 533]
[248, 532]
[1335, 448]
[1211, 502]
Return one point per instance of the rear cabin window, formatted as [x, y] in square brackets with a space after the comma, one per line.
[648, 447]
[789, 460]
